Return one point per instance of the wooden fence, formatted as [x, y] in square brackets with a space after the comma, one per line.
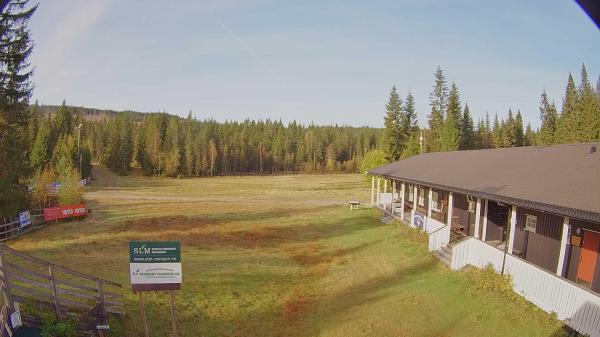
[27, 279]
[579, 307]
[14, 228]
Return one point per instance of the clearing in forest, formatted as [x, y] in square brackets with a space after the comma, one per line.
[271, 256]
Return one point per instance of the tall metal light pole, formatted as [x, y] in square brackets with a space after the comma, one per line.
[78, 147]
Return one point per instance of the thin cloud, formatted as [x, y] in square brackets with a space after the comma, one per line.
[244, 45]
[63, 37]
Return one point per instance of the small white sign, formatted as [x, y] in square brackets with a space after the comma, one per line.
[25, 218]
[15, 319]
[155, 273]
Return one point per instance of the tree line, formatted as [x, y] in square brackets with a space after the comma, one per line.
[451, 126]
[167, 145]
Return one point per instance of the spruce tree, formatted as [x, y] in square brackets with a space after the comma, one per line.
[519, 132]
[567, 130]
[529, 136]
[548, 116]
[409, 125]
[439, 102]
[63, 155]
[15, 91]
[497, 133]
[451, 138]
[468, 140]
[413, 145]
[41, 151]
[34, 123]
[190, 157]
[588, 118]
[63, 121]
[393, 138]
[508, 131]
[141, 155]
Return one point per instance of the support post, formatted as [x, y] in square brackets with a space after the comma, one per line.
[378, 189]
[477, 217]
[392, 208]
[429, 202]
[54, 292]
[372, 190]
[385, 184]
[414, 205]
[173, 323]
[563, 246]
[485, 221]
[100, 299]
[143, 313]
[7, 294]
[513, 226]
[402, 201]
[450, 208]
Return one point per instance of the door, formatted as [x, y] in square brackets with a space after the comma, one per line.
[589, 256]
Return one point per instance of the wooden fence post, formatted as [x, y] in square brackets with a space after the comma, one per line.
[5, 282]
[173, 321]
[54, 292]
[143, 313]
[100, 290]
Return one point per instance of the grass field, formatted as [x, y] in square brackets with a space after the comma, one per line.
[270, 256]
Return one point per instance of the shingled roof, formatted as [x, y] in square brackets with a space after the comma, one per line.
[561, 179]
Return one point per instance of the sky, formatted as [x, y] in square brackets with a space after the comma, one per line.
[311, 61]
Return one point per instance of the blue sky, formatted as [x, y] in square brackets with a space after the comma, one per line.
[321, 61]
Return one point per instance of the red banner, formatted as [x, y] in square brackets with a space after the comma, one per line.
[64, 212]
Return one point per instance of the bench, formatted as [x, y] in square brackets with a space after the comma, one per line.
[354, 203]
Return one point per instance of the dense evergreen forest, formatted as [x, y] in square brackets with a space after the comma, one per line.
[163, 144]
[168, 145]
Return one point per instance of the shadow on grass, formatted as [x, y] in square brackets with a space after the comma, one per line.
[259, 237]
[331, 309]
[306, 259]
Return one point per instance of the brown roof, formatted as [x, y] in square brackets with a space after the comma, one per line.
[562, 179]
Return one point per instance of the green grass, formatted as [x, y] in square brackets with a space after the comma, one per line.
[270, 256]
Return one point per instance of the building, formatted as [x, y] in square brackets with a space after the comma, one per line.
[530, 210]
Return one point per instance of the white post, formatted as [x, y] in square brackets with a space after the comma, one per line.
[402, 201]
[372, 190]
[392, 198]
[450, 208]
[384, 191]
[414, 208]
[513, 226]
[477, 217]
[429, 202]
[563, 247]
[485, 221]
[378, 189]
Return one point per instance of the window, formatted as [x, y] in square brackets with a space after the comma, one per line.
[422, 197]
[530, 222]
[434, 201]
[411, 197]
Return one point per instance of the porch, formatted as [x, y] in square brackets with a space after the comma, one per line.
[541, 251]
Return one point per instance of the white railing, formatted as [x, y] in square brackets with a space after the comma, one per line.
[579, 307]
[385, 200]
[439, 238]
[433, 225]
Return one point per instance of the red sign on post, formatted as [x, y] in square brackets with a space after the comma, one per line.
[64, 212]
